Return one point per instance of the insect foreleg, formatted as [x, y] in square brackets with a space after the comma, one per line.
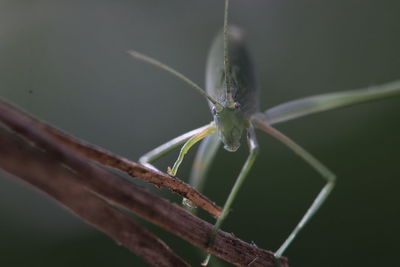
[163, 149]
[253, 146]
[316, 164]
[189, 143]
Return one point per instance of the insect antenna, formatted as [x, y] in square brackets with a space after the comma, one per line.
[228, 97]
[174, 72]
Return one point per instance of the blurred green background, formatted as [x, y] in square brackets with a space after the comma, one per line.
[65, 62]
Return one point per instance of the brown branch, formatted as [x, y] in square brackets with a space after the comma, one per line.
[45, 173]
[109, 159]
[147, 205]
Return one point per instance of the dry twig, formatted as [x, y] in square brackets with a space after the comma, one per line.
[109, 159]
[118, 191]
[45, 173]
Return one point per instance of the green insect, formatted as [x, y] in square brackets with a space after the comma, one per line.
[233, 95]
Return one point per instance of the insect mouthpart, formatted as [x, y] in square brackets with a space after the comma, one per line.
[231, 148]
[230, 138]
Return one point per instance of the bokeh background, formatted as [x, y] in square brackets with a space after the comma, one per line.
[65, 62]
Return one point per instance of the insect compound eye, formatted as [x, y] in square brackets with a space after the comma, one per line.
[237, 105]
